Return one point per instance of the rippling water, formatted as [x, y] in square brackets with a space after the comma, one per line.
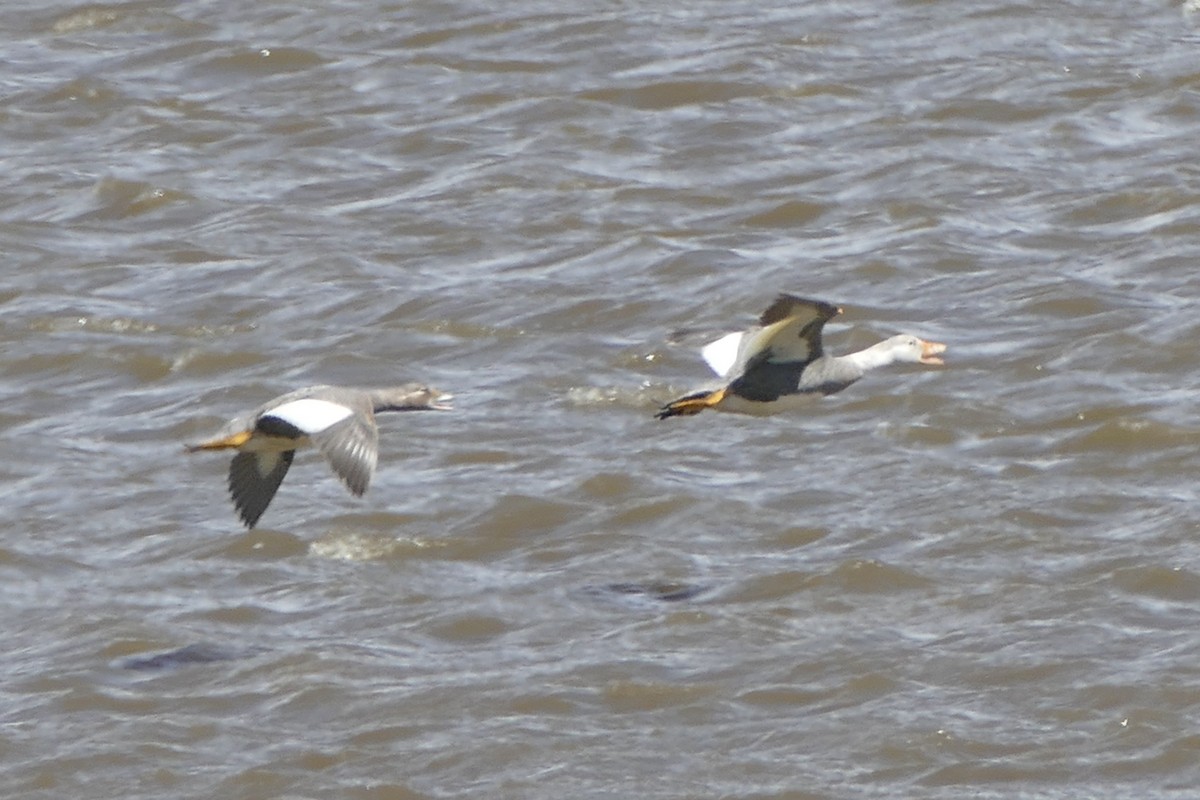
[977, 581]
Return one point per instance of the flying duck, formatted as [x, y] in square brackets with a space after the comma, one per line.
[339, 420]
[772, 366]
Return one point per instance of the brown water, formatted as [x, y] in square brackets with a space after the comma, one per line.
[978, 581]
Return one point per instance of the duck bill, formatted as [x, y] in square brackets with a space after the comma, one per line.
[442, 403]
[930, 352]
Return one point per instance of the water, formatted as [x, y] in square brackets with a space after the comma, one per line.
[973, 581]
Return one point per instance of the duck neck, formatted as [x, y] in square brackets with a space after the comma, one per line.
[400, 398]
[877, 355]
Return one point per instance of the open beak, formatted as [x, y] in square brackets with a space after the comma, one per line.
[930, 351]
[442, 402]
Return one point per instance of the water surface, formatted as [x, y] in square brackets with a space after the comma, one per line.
[974, 581]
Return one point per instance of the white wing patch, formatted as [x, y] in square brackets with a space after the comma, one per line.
[722, 354]
[310, 415]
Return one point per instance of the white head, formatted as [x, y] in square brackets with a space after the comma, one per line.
[905, 347]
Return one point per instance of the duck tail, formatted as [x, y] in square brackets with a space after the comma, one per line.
[223, 443]
[691, 404]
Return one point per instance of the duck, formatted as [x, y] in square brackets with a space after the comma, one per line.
[338, 420]
[781, 363]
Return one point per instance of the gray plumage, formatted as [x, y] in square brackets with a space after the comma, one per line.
[781, 361]
[338, 420]
[773, 360]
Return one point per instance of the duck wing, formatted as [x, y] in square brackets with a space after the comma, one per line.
[722, 354]
[352, 449]
[789, 332]
[339, 422]
[254, 479]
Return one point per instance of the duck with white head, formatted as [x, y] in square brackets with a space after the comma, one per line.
[781, 362]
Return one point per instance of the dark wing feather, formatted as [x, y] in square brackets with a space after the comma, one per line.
[352, 448]
[772, 358]
[791, 333]
[789, 305]
[253, 481]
